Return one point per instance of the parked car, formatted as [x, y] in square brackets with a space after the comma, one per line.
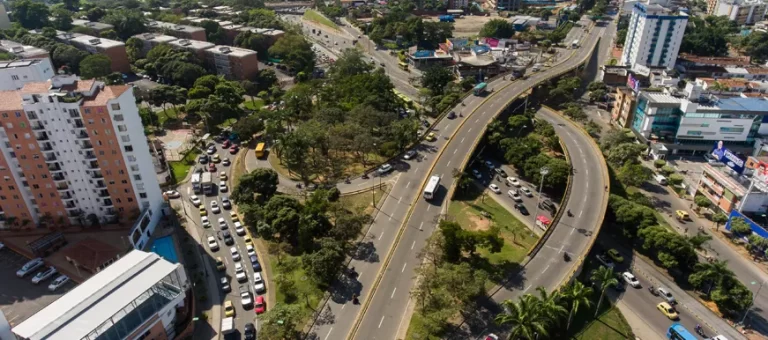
[494, 188]
[226, 203]
[223, 223]
[58, 282]
[605, 260]
[172, 194]
[451, 115]
[224, 282]
[258, 283]
[203, 159]
[44, 275]
[205, 222]
[216, 158]
[211, 167]
[615, 256]
[239, 230]
[385, 168]
[195, 200]
[409, 155]
[223, 175]
[249, 331]
[431, 137]
[477, 174]
[250, 250]
[513, 181]
[29, 267]
[220, 264]
[225, 162]
[255, 263]
[212, 244]
[211, 150]
[260, 305]
[500, 172]
[203, 212]
[228, 240]
[489, 165]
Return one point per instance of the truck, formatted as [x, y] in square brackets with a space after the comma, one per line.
[446, 18]
[207, 183]
[196, 183]
[259, 151]
[227, 326]
[575, 43]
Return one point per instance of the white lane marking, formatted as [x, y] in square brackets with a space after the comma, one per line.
[526, 289]
[470, 130]
[342, 308]
[454, 151]
[477, 120]
[421, 227]
[399, 200]
[390, 218]
[574, 229]
[417, 169]
[462, 141]
[408, 184]
[381, 235]
[404, 264]
[429, 206]
[545, 269]
[587, 171]
[382, 321]
[449, 163]
[581, 212]
[393, 293]
[361, 184]
[413, 245]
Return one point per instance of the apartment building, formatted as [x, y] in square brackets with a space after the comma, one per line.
[76, 148]
[653, 37]
[178, 31]
[95, 28]
[151, 40]
[233, 62]
[113, 49]
[194, 46]
[15, 74]
[624, 107]
[140, 296]
[271, 33]
[743, 12]
[231, 31]
[23, 51]
[695, 123]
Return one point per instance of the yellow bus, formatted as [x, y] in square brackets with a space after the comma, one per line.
[408, 102]
[403, 66]
[260, 150]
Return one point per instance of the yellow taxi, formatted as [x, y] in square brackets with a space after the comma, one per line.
[667, 310]
[229, 310]
[248, 241]
[203, 212]
[682, 215]
[431, 137]
[215, 158]
[234, 217]
[220, 264]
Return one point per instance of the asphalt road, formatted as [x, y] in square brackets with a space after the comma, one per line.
[242, 315]
[385, 315]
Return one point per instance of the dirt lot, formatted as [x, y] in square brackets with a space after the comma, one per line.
[470, 25]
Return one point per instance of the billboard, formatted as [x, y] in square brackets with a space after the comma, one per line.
[633, 83]
[760, 176]
[727, 157]
[756, 228]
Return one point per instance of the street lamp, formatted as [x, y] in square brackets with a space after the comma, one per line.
[754, 297]
[543, 171]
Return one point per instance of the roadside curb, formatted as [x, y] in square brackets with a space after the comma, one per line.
[401, 229]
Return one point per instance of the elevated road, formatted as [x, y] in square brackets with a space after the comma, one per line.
[385, 314]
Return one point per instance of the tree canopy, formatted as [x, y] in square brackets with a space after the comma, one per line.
[95, 66]
[497, 28]
[295, 51]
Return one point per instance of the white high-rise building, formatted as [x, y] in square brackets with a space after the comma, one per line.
[744, 12]
[653, 37]
[14, 74]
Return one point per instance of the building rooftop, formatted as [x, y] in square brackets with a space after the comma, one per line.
[160, 38]
[97, 42]
[91, 24]
[757, 70]
[192, 44]
[230, 50]
[19, 63]
[232, 27]
[726, 180]
[714, 61]
[660, 98]
[82, 310]
[174, 27]
[264, 31]
[737, 70]
[727, 82]
[755, 105]
[91, 253]
[21, 50]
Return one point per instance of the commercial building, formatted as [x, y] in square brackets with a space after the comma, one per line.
[233, 62]
[22, 51]
[140, 296]
[113, 49]
[693, 124]
[743, 12]
[76, 149]
[653, 37]
[178, 31]
[623, 108]
[95, 28]
[16, 73]
[195, 46]
[151, 40]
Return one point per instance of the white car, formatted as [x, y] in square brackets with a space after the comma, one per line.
[172, 194]
[235, 254]
[258, 283]
[667, 295]
[409, 155]
[631, 279]
[514, 195]
[223, 223]
[2, 245]
[494, 188]
[60, 281]
[223, 186]
[215, 207]
[44, 275]
[240, 272]
[385, 168]
[526, 191]
[245, 297]
[212, 244]
[513, 181]
[249, 249]
[205, 222]
[195, 200]
[29, 267]
[477, 174]
[239, 230]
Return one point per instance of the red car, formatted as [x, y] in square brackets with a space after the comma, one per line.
[260, 306]
[211, 167]
[233, 149]
[225, 144]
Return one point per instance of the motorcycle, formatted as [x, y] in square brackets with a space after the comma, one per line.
[653, 291]
[566, 257]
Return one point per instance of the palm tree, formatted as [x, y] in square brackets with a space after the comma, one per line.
[525, 317]
[576, 294]
[550, 305]
[606, 278]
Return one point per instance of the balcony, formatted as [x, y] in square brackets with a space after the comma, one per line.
[100, 185]
[37, 127]
[107, 203]
[62, 187]
[59, 177]
[81, 135]
[103, 193]
[78, 124]
[93, 165]
[74, 212]
[86, 145]
[41, 136]
[90, 155]
[50, 158]
[31, 115]
[54, 167]
[66, 196]
[96, 175]
[47, 147]
[70, 205]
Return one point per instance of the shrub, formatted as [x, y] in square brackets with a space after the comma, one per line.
[659, 163]
[667, 170]
[675, 179]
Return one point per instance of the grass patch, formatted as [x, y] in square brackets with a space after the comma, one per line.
[293, 285]
[254, 105]
[610, 324]
[227, 123]
[416, 329]
[467, 209]
[169, 115]
[180, 168]
[351, 169]
[320, 19]
[362, 202]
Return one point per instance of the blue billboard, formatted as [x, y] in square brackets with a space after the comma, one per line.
[756, 228]
[728, 158]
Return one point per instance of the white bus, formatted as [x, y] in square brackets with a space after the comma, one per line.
[432, 187]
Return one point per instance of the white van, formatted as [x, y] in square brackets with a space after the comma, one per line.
[661, 179]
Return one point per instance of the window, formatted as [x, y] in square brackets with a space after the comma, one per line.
[131, 158]
[119, 118]
[129, 148]
[115, 106]
[137, 177]
[143, 195]
[8, 125]
[125, 138]
[134, 168]
[15, 77]
[122, 128]
[107, 132]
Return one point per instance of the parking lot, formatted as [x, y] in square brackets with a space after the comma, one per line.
[19, 298]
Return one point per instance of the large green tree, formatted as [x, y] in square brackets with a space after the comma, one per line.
[497, 28]
[605, 278]
[295, 51]
[95, 66]
[30, 14]
[258, 185]
[127, 22]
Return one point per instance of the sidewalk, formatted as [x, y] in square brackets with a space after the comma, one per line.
[639, 326]
[214, 314]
